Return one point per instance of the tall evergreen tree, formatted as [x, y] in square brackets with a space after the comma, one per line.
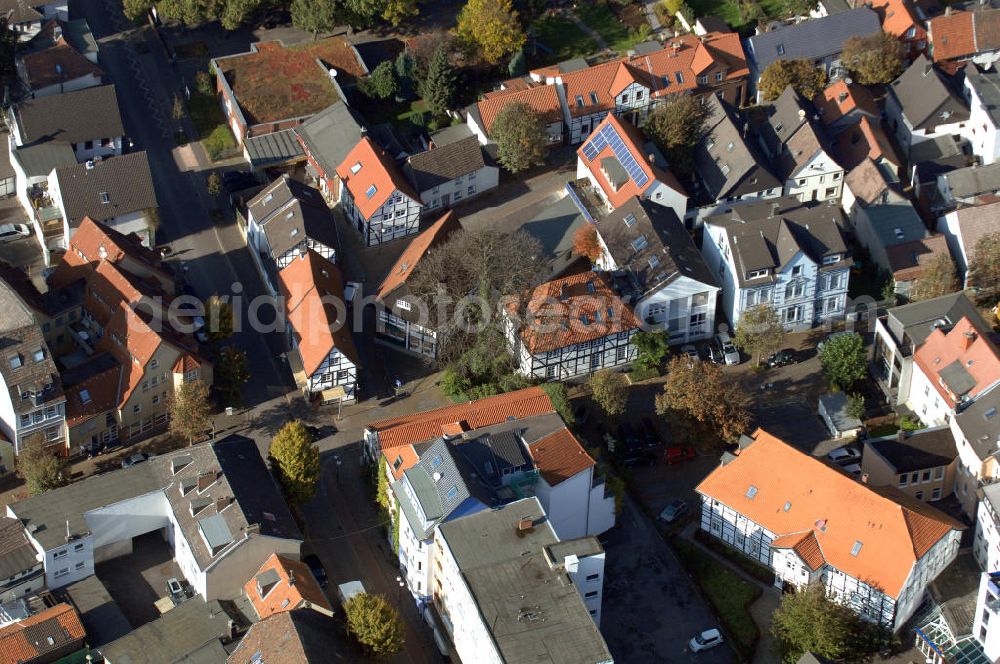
[438, 89]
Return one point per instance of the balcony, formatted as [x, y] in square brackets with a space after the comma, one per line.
[44, 206]
[586, 199]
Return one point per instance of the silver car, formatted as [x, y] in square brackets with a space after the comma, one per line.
[10, 232]
[729, 353]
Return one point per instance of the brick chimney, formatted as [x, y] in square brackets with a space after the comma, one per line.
[968, 338]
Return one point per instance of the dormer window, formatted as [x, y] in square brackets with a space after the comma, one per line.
[629, 220]
[105, 199]
[593, 98]
[780, 48]
[16, 362]
[640, 243]
[654, 262]
[680, 77]
[579, 101]
[38, 355]
[830, 260]
[757, 274]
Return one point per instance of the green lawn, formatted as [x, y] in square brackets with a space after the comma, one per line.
[565, 39]
[603, 21]
[211, 124]
[728, 593]
[729, 10]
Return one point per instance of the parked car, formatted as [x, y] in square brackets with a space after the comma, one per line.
[316, 567]
[706, 640]
[134, 459]
[819, 346]
[691, 352]
[853, 469]
[175, 591]
[627, 436]
[844, 455]
[679, 454]
[649, 435]
[782, 358]
[674, 511]
[726, 348]
[639, 458]
[10, 232]
[712, 354]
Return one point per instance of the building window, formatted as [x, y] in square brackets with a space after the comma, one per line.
[936, 493]
[919, 495]
[593, 577]
[59, 554]
[902, 481]
[136, 409]
[61, 573]
[80, 565]
[939, 473]
[78, 547]
[592, 594]
[927, 476]
[625, 98]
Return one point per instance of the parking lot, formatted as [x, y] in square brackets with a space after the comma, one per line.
[137, 580]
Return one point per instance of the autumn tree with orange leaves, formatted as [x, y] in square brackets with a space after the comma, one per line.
[586, 243]
[701, 391]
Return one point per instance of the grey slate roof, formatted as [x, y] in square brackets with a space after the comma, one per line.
[835, 406]
[986, 85]
[896, 222]
[791, 134]
[293, 213]
[927, 96]
[445, 163]
[533, 611]
[330, 135]
[813, 39]
[16, 552]
[39, 159]
[913, 323]
[126, 180]
[273, 148]
[180, 635]
[438, 485]
[21, 341]
[554, 228]
[102, 619]
[730, 171]
[71, 117]
[973, 181]
[19, 11]
[667, 251]
[927, 448]
[980, 422]
[956, 378]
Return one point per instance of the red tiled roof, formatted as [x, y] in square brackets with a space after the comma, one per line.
[952, 36]
[416, 250]
[865, 140]
[57, 63]
[559, 456]
[93, 242]
[873, 534]
[285, 595]
[839, 99]
[909, 260]
[542, 98]
[186, 363]
[376, 169]
[101, 392]
[961, 347]
[805, 545]
[27, 640]
[898, 16]
[307, 283]
[420, 427]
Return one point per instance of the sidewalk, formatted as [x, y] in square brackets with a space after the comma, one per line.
[761, 610]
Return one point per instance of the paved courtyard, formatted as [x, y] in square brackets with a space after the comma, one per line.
[137, 580]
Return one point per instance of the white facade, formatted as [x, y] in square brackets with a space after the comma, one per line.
[981, 130]
[924, 400]
[949, 226]
[986, 623]
[986, 546]
[657, 192]
[398, 217]
[575, 507]
[461, 188]
[907, 135]
[576, 360]
[820, 179]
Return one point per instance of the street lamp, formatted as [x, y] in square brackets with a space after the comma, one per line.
[402, 584]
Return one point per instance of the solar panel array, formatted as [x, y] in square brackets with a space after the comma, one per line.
[608, 136]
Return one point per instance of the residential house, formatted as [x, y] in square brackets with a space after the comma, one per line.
[283, 584]
[321, 353]
[274, 88]
[621, 165]
[545, 100]
[866, 184]
[957, 37]
[503, 573]
[924, 104]
[975, 430]
[985, 630]
[403, 319]
[375, 196]
[903, 329]
[659, 270]
[865, 140]
[782, 252]
[922, 464]
[27, 18]
[327, 138]
[117, 192]
[33, 403]
[820, 41]
[304, 636]
[799, 149]
[52, 635]
[573, 326]
[285, 219]
[986, 546]
[454, 168]
[61, 58]
[834, 411]
[910, 261]
[950, 369]
[193, 631]
[215, 503]
[96, 133]
[963, 228]
[982, 90]
[842, 104]
[872, 549]
[972, 185]
[20, 565]
[902, 20]
[729, 162]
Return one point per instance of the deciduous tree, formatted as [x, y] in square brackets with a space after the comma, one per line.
[677, 127]
[701, 391]
[804, 77]
[520, 136]
[314, 16]
[759, 332]
[438, 89]
[41, 468]
[190, 410]
[984, 268]
[844, 359]
[375, 624]
[938, 278]
[491, 28]
[807, 621]
[856, 405]
[586, 243]
[560, 401]
[609, 389]
[396, 12]
[381, 83]
[874, 60]
[218, 318]
[213, 184]
[295, 461]
[651, 347]
[231, 374]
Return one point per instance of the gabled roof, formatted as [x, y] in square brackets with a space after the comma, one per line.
[560, 456]
[979, 422]
[426, 425]
[286, 585]
[898, 17]
[125, 181]
[908, 260]
[302, 636]
[864, 140]
[813, 39]
[26, 364]
[17, 553]
[973, 181]
[868, 182]
[665, 250]
[986, 85]
[875, 535]
[976, 221]
[572, 310]
[927, 96]
[543, 99]
[372, 177]
[55, 59]
[728, 159]
[289, 213]
[444, 163]
[309, 283]
[793, 136]
[93, 242]
[960, 363]
[46, 635]
[911, 324]
[840, 99]
[433, 236]
[962, 34]
[330, 135]
[805, 545]
[615, 154]
[916, 450]
[71, 117]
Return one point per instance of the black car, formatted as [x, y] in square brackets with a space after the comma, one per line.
[782, 358]
[316, 567]
[650, 437]
[627, 436]
[639, 458]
